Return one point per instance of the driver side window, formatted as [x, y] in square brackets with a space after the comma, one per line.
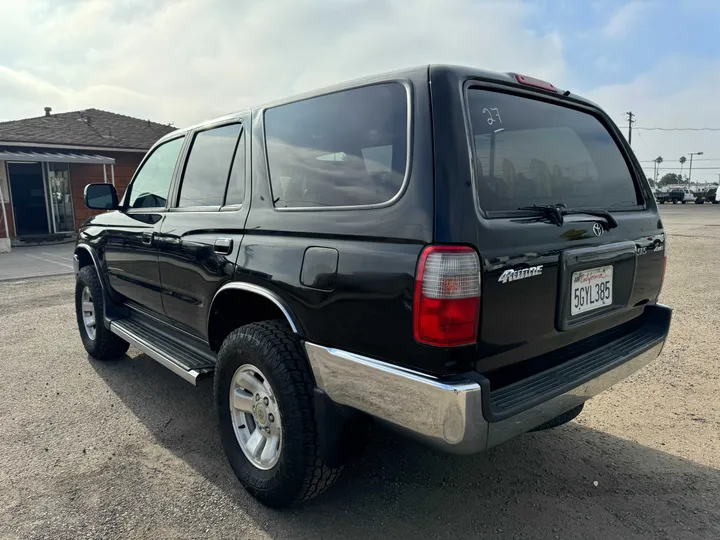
[152, 182]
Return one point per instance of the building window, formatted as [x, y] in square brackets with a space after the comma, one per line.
[60, 197]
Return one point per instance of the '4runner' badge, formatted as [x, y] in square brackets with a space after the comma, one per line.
[512, 275]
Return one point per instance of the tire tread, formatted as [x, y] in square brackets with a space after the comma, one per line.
[106, 346]
[275, 341]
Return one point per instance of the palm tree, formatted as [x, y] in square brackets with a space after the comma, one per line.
[658, 161]
[682, 161]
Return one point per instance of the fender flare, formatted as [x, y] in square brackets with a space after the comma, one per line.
[262, 291]
[95, 260]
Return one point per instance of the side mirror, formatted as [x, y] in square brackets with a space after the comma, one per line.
[101, 196]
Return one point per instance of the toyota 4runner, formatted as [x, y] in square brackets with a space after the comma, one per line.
[462, 255]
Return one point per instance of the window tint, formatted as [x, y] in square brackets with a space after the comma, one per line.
[152, 182]
[342, 149]
[236, 184]
[208, 166]
[531, 152]
[378, 159]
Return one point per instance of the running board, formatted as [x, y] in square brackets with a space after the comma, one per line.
[182, 360]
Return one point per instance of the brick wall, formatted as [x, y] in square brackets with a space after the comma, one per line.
[82, 174]
[5, 190]
[10, 223]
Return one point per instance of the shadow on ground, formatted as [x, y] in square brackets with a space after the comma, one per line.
[537, 486]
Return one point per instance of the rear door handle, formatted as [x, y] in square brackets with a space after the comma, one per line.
[147, 238]
[223, 245]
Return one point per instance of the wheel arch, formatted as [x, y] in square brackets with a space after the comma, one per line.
[85, 256]
[258, 304]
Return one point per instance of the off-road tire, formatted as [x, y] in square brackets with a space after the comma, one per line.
[300, 473]
[106, 345]
[564, 418]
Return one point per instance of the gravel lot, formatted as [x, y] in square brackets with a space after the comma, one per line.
[129, 450]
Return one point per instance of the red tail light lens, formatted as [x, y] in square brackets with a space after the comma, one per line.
[537, 83]
[664, 269]
[447, 296]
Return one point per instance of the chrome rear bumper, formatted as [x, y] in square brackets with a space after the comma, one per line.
[448, 414]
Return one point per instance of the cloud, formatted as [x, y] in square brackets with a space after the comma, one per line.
[678, 92]
[184, 60]
[623, 19]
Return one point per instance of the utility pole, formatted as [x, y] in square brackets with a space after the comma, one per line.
[631, 120]
[690, 171]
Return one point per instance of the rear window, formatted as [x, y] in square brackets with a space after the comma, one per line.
[343, 149]
[531, 152]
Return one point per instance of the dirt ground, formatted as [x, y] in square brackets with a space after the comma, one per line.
[129, 450]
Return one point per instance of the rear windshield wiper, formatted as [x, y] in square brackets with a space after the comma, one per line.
[556, 212]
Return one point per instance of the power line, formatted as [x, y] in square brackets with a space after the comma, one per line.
[676, 129]
[696, 159]
[680, 168]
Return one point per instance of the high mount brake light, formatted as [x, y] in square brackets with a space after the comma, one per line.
[446, 307]
[537, 83]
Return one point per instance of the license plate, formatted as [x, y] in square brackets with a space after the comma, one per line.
[591, 289]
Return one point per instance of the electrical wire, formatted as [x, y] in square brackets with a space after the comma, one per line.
[675, 129]
[686, 168]
[695, 159]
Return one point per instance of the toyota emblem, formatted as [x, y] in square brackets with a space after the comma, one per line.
[598, 229]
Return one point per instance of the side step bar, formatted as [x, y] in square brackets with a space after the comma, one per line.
[181, 360]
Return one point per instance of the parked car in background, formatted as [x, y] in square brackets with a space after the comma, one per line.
[681, 194]
[661, 196]
[712, 195]
[463, 255]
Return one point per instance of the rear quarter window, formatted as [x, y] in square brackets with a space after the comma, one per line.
[529, 152]
[348, 148]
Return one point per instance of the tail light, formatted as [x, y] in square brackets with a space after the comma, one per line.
[537, 83]
[664, 269]
[446, 306]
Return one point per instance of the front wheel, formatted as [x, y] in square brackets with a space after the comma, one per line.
[265, 406]
[99, 342]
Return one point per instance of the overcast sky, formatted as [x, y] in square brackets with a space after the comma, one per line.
[183, 61]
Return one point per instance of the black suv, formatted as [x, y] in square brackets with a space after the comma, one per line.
[461, 254]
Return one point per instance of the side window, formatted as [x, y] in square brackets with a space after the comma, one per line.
[343, 149]
[152, 182]
[236, 183]
[208, 166]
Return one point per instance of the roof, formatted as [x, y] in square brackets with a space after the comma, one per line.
[54, 157]
[86, 128]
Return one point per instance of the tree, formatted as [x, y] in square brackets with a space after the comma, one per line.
[671, 178]
[651, 182]
[682, 161]
[658, 161]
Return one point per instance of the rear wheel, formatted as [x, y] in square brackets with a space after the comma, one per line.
[265, 405]
[98, 341]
